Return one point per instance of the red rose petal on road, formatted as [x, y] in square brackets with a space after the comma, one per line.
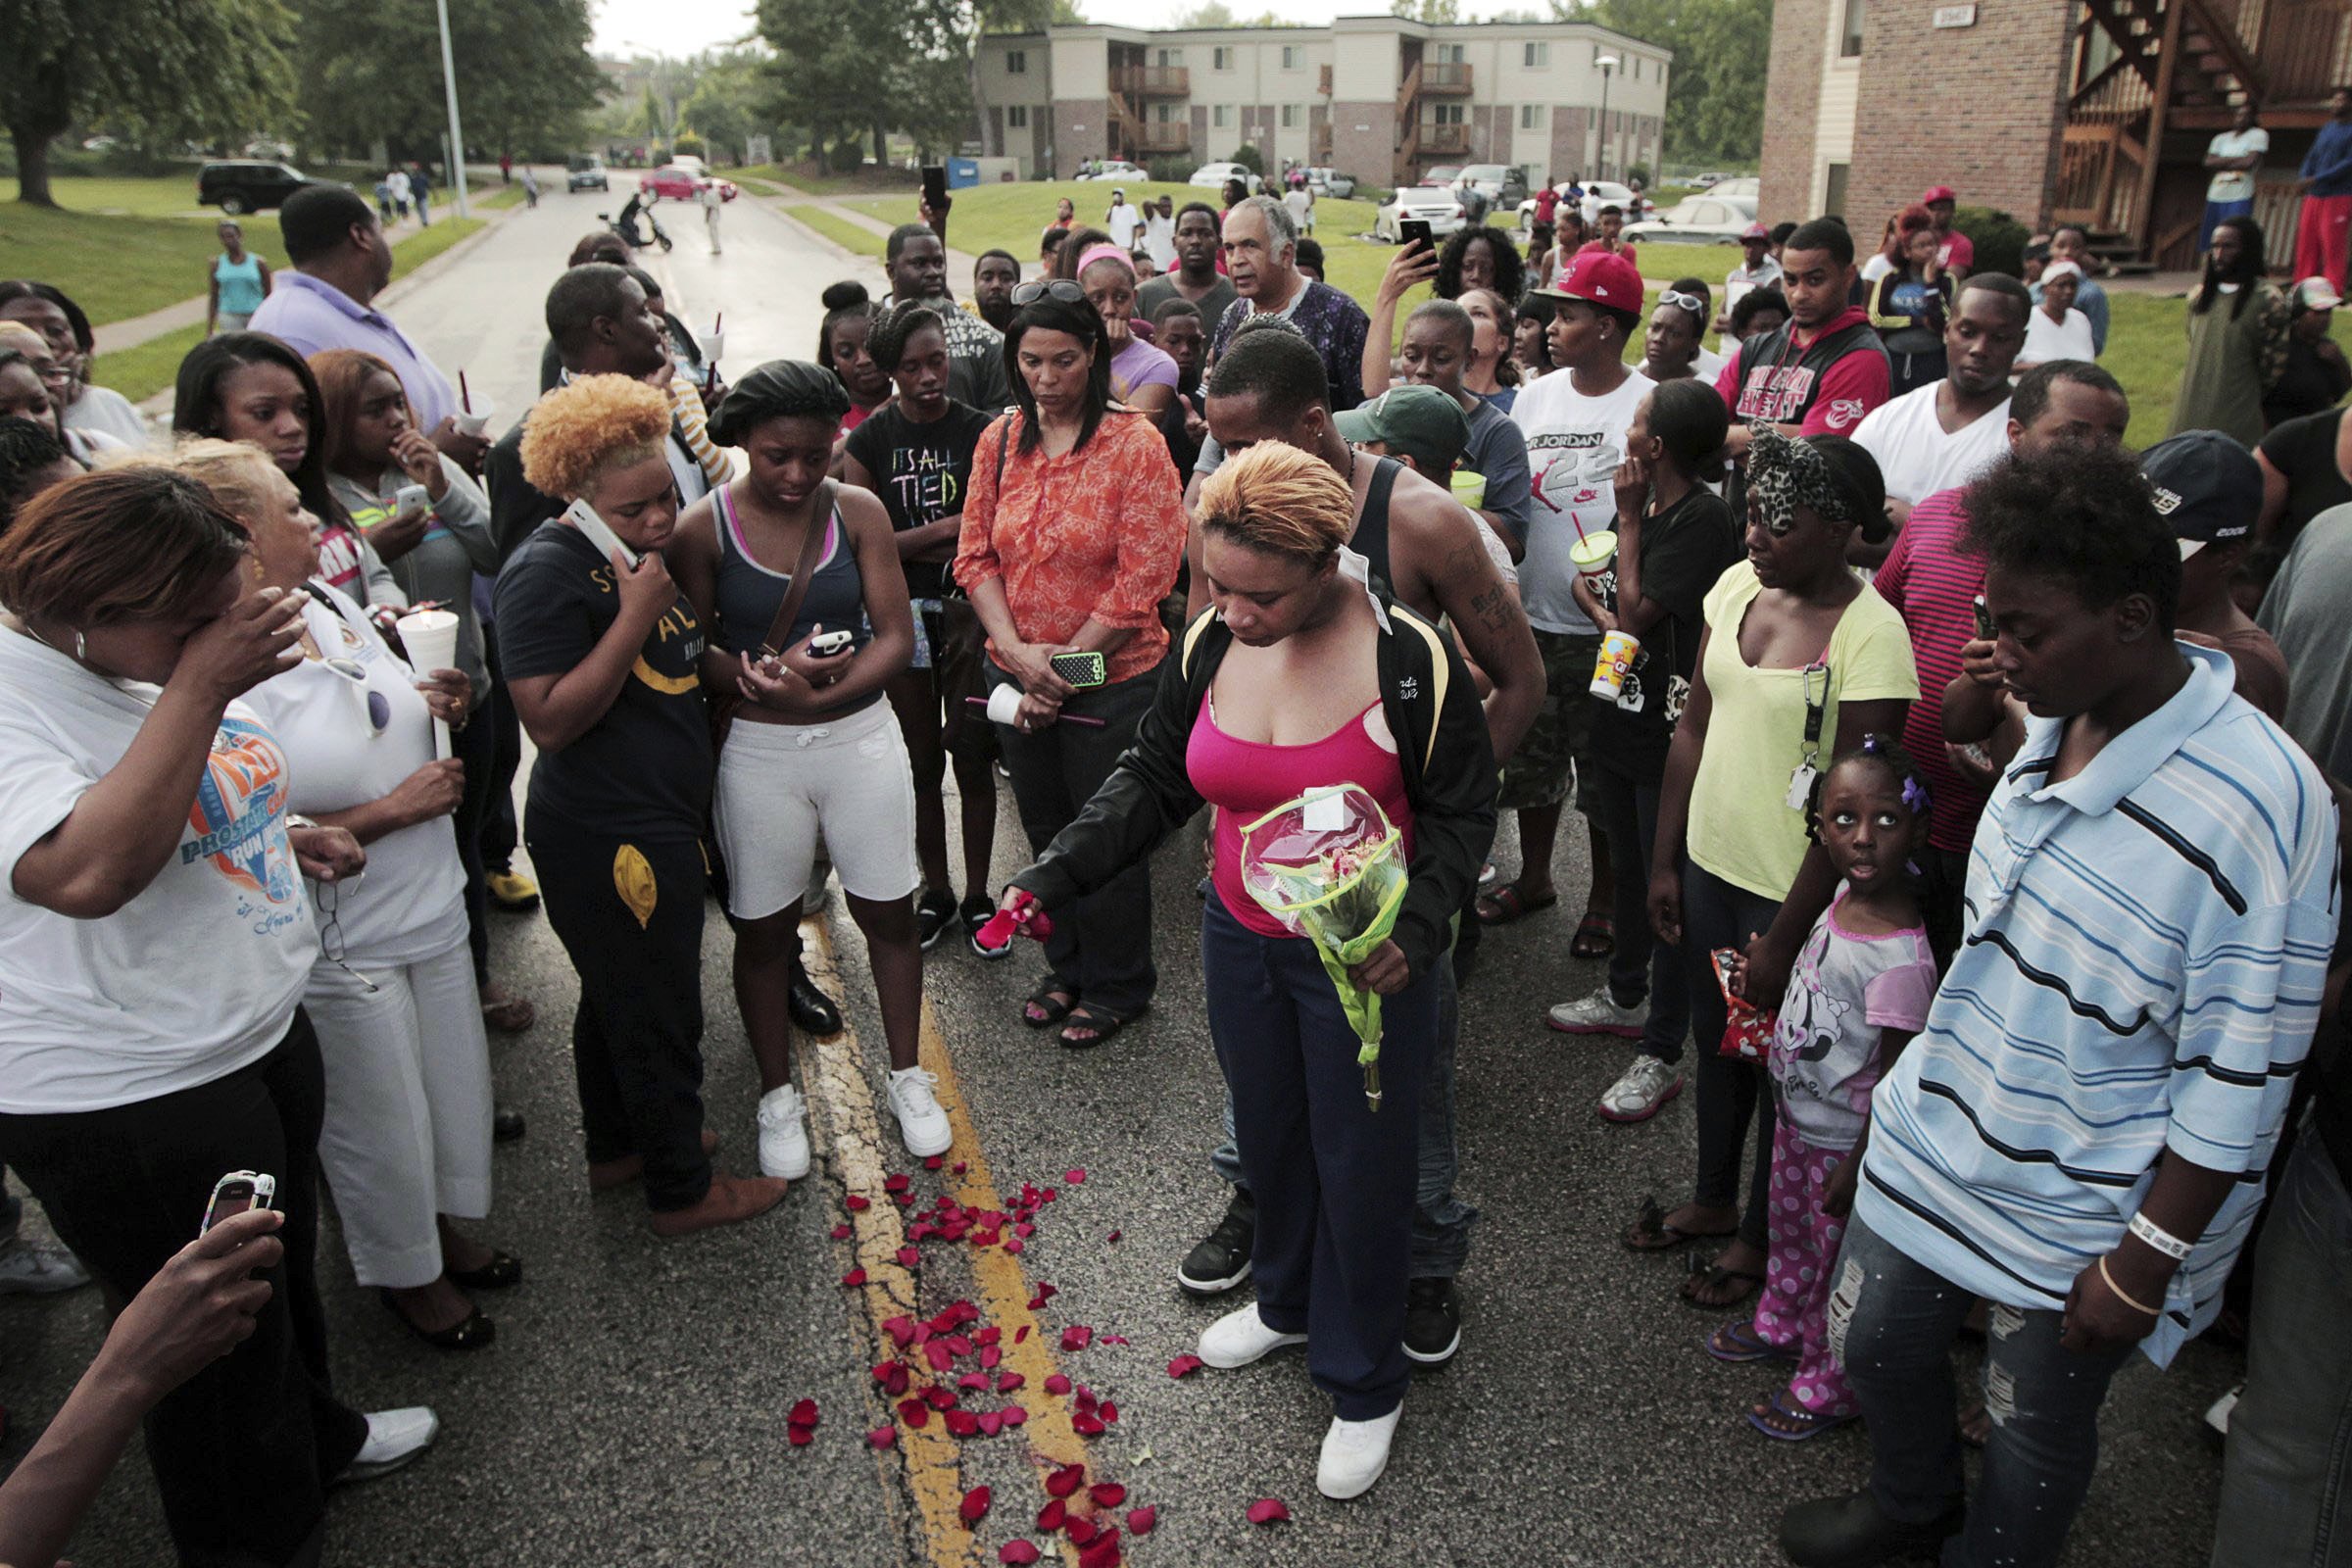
[991, 1422]
[973, 1381]
[1077, 1336]
[892, 1375]
[1115, 1238]
[1006, 1381]
[1016, 1552]
[858, 1204]
[882, 1437]
[1021, 1334]
[1104, 1554]
[1057, 1384]
[1185, 1365]
[939, 1399]
[799, 1435]
[974, 1506]
[991, 1335]
[959, 1346]
[896, 1184]
[1061, 1483]
[1016, 1416]
[910, 1257]
[1053, 1516]
[1267, 1510]
[1107, 1493]
[840, 1232]
[1087, 1426]
[1081, 1529]
[990, 1356]
[1140, 1520]
[899, 1329]
[853, 1278]
[914, 1412]
[804, 1414]
[1074, 1177]
[1109, 1413]
[963, 1423]
[938, 1356]
[1017, 1247]
[958, 1167]
[932, 1163]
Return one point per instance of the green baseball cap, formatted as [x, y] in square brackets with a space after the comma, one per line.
[1419, 423]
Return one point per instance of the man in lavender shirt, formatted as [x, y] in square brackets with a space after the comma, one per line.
[336, 242]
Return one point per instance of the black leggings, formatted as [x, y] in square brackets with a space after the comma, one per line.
[1730, 1093]
[243, 1451]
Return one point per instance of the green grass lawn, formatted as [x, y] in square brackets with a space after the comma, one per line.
[837, 228]
[113, 268]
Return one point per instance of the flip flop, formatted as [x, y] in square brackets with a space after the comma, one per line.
[1809, 1424]
[1706, 1275]
[1041, 1010]
[1101, 1020]
[1504, 905]
[1649, 1231]
[1595, 937]
[1737, 1343]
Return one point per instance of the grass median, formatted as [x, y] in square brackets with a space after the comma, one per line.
[853, 237]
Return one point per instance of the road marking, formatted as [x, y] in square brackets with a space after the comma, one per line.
[849, 1124]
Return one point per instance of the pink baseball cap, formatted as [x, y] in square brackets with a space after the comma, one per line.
[1938, 193]
[1598, 278]
[1755, 231]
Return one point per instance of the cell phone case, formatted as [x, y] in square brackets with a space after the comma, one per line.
[1079, 669]
[581, 516]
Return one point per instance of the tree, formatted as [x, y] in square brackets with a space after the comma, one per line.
[158, 70]
[1715, 98]
[1429, 11]
[1218, 14]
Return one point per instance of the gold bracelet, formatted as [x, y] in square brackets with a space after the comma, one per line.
[2135, 1307]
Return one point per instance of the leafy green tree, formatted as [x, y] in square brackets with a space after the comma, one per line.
[158, 70]
[1715, 99]
[1429, 11]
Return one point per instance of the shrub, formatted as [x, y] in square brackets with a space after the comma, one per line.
[689, 145]
[1248, 157]
[2000, 240]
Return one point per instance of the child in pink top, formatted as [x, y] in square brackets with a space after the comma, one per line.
[1858, 993]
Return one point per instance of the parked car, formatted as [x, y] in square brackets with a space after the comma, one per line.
[1440, 205]
[587, 173]
[1120, 171]
[1708, 220]
[1326, 181]
[1704, 182]
[1748, 185]
[248, 185]
[691, 163]
[1609, 194]
[1214, 175]
[1443, 174]
[682, 184]
[1503, 185]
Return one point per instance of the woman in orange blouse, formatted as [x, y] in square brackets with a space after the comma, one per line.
[1072, 532]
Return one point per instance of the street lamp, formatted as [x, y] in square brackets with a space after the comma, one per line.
[1607, 63]
[449, 90]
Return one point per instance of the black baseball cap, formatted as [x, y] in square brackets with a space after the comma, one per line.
[2206, 485]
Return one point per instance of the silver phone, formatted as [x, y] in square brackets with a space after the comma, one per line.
[409, 500]
[235, 1193]
[581, 516]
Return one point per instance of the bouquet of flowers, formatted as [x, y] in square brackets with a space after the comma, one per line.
[1330, 868]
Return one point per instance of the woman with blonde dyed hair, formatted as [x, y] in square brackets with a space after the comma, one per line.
[1304, 673]
[405, 1141]
[602, 653]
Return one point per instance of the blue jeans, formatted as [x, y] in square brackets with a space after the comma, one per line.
[1891, 1324]
[1442, 1221]
[2287, 1494]
[2215, 213]
[1333, 1177]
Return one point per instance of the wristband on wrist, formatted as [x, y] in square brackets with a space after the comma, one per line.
[2157, 1237]
[2118, 1293]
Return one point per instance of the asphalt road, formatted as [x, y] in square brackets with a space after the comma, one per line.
[636, 1406]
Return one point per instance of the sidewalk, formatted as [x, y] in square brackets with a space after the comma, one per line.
[960, 263]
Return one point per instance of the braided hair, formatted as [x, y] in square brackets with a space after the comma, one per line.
[1877, 749]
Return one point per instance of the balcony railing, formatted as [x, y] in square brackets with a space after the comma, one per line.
[1164, 136]
[1154, 81]
[1440, 141]
[1449, 77]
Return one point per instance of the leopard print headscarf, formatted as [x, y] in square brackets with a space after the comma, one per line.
[1785, 475]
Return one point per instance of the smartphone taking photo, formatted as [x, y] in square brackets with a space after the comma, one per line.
[235, 1193]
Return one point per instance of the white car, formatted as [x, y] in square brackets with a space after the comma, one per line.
[1439, 206]
[1121, 171]
[1743, 185]
[1214, 177]
[1708, 220]
[1598, 193]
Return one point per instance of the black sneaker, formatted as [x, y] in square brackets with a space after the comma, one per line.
[1851, 1531]
[934, 911]
[813, 1011]
[1221, 1260]
[1432, 1321]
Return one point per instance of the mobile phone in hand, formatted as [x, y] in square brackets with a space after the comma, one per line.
[825, 644]
[934, 187]
[1985, 627]
[409, 500]
[235, 1193]
[581, 516]
[1081, 669]
[1412, 229]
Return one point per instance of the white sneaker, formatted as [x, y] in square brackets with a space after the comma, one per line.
[922, 1125]
[1355, 1454]
[783, 1134]
[1646, 1085]
[1600, 1015]
[394, 1438]
[29, 1270]
[1241, 1337]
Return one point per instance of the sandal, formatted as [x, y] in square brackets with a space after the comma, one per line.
[1798, 1425]
[1708, 1281]
[1737, 1342]
[1101, 1020]
[1649, 1231]
[933, 912]
[1050, 1004]
[503, 1270]
[1504, 905]
[1595, 937]
[509, 1015]
[471, 1332]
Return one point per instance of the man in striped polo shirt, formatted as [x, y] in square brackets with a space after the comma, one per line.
[2080, 1133]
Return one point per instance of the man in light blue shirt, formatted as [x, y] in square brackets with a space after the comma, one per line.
[337, 244]
[2081, 1133]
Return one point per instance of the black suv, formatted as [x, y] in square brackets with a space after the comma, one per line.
[247, 185]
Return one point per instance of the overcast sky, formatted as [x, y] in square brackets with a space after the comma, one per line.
[686, 27]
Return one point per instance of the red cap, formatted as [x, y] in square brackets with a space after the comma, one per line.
[1938, 193]
[1598, 278]
[1755, 231]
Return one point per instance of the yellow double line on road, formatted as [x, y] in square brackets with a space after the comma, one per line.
[841, 1104]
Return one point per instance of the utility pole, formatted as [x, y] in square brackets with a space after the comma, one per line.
[1607, 63]
[449, 90]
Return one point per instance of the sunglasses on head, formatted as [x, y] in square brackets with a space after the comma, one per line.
[1689, 302]
[1060, 288]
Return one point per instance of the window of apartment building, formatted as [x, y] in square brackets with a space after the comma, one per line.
[1531, 116]
[1016, 117]
[1849, 43]
[1445, 114]
[1535, 56]
[1290, 116]
[1165, 112]
[1221, 117]
[1833, 200]
[1220, 58]
[1293, 55]
[1169, 58]
[1016, 61]
[1447, 54]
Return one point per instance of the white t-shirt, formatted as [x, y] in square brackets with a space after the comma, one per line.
[1159, 241]
[2047, 340]
[1873, 268]
[1708, 366]
[2234, 184]
[194, 978]
[1122, 224]
[1301, 205]
[1918, 456]
[412, 898]
[1574, 445]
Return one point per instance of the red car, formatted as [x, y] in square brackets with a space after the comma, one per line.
[679, 184]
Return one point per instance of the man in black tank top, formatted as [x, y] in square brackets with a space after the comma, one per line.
[1270, 386]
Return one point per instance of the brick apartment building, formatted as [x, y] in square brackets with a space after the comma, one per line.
[1379, 97]
[2043, 109]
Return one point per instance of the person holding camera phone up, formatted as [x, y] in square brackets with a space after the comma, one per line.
[799, 579]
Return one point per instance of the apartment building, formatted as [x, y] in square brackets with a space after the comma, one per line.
[1380, 97]
[2089, 112]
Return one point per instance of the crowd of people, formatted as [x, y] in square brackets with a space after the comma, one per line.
[1959, 792]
